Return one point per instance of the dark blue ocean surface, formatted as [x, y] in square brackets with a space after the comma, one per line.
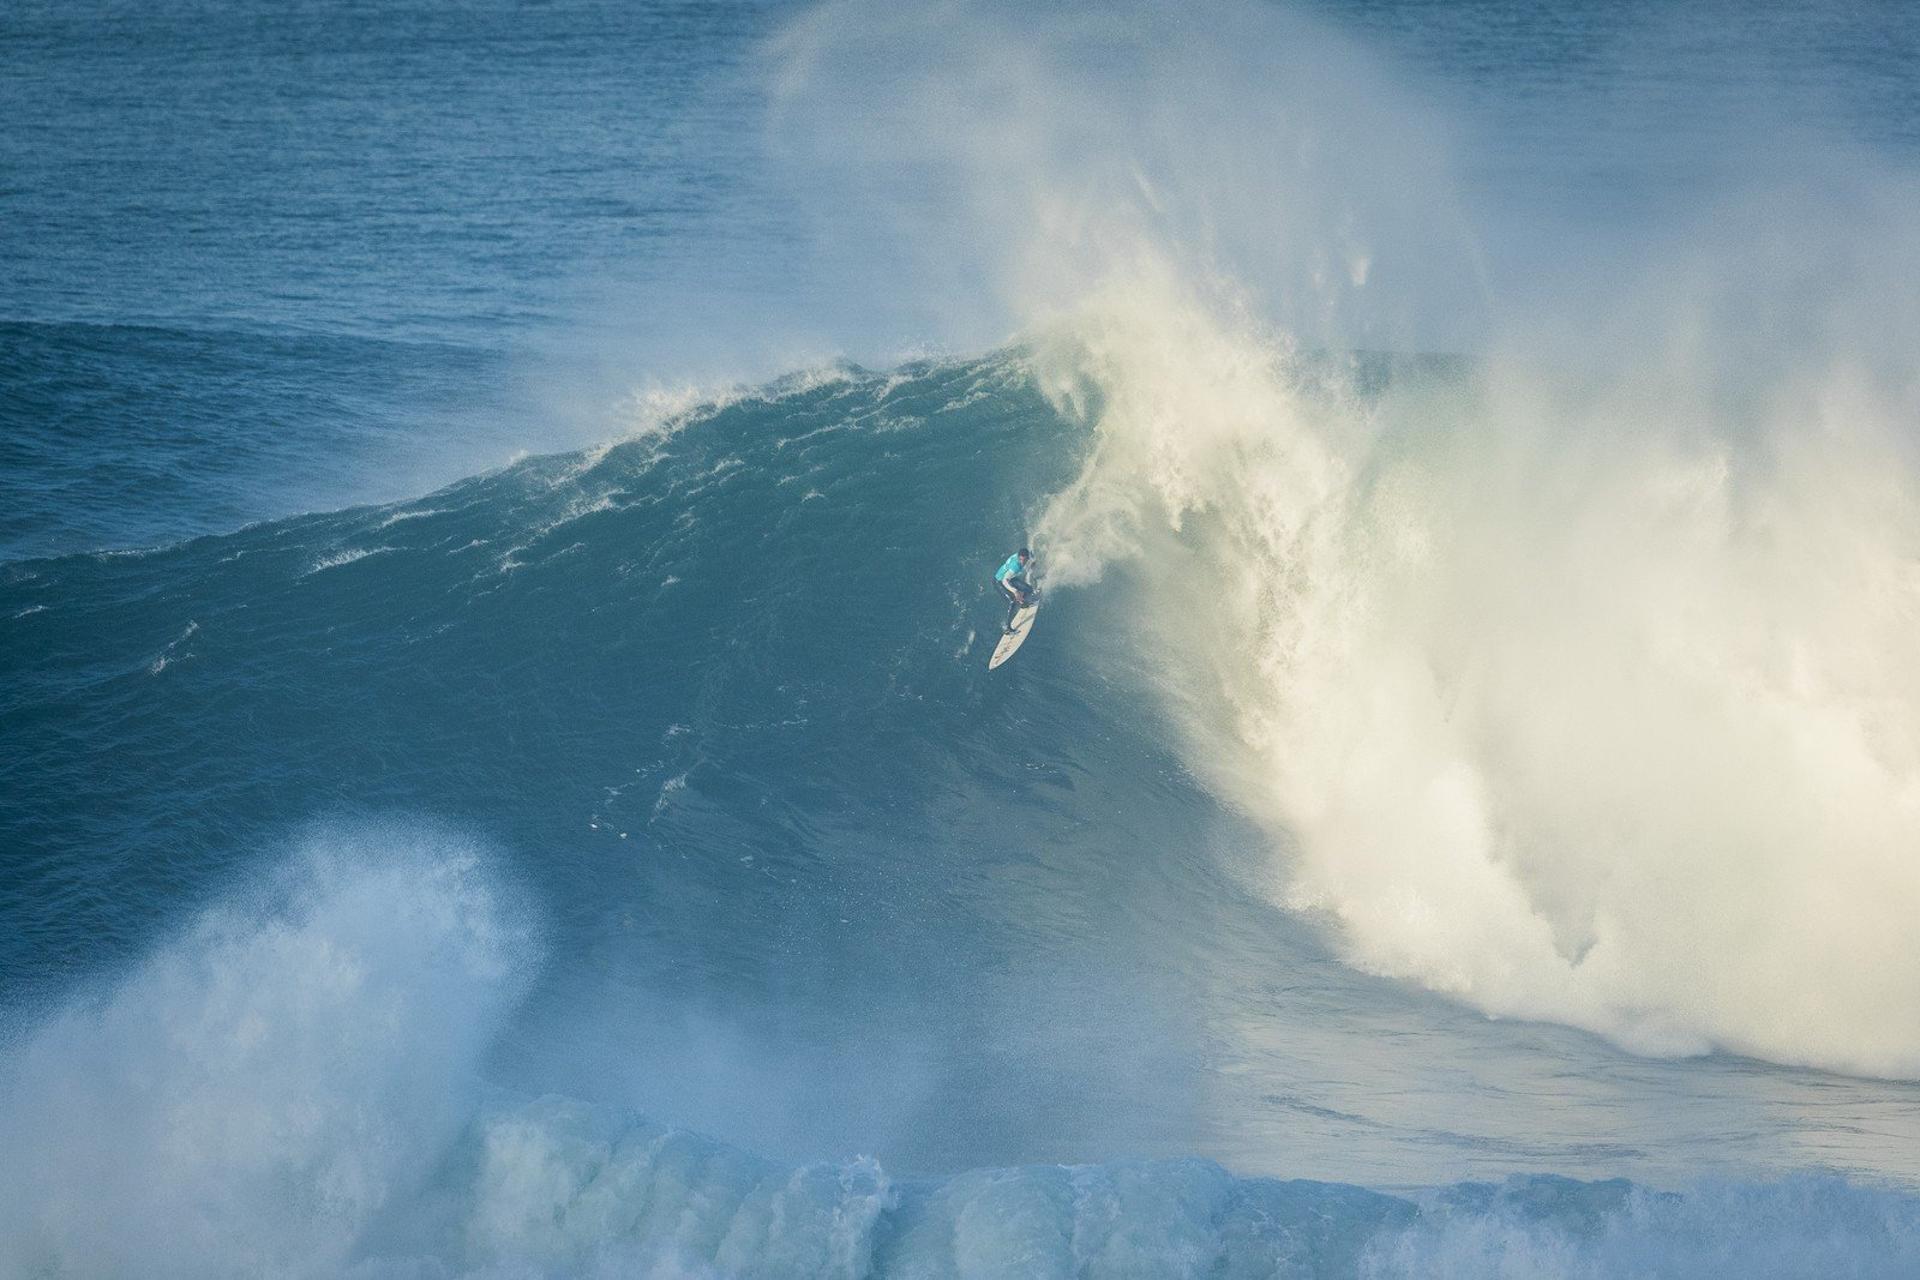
[498, 774]
[308, 214]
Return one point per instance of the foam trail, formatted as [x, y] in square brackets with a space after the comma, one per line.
[557, 1188]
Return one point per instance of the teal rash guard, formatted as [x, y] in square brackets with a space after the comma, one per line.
[1011, 569]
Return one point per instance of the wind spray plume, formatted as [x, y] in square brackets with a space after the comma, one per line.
[1006, 166]
[1582, 687]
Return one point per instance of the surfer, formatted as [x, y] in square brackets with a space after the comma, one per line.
[1013, 580]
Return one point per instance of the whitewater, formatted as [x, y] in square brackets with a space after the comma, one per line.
[498, 775]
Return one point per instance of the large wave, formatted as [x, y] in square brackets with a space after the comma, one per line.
[1567, 677]
[589, 1041]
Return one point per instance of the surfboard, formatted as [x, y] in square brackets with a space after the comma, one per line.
[1010, 642]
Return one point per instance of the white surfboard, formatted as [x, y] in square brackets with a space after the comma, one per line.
[1010, 642]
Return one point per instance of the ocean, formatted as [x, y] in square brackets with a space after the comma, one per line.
[498, 771]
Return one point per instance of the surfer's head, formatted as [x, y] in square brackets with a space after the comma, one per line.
[1025, 555]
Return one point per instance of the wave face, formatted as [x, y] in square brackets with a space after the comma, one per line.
[729, 826]
[611, 624]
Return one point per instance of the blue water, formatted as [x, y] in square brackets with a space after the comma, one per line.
[498, 774]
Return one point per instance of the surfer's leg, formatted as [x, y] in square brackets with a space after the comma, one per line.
[1020, 592]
